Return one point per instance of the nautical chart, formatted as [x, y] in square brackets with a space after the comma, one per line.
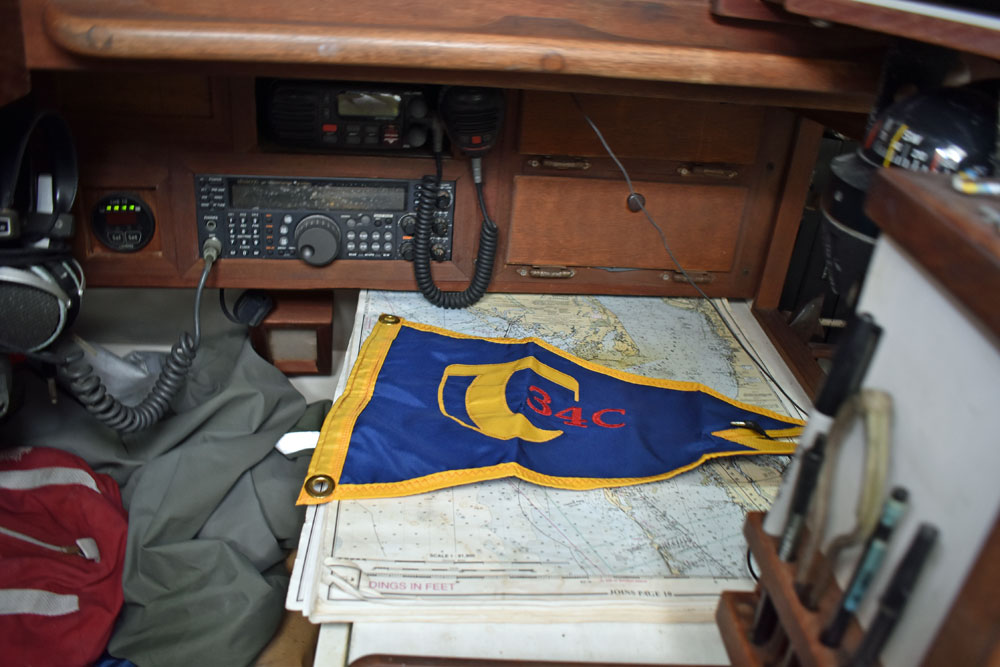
[630, 553]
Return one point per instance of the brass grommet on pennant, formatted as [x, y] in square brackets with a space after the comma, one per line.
[385, 318]
[319, 486]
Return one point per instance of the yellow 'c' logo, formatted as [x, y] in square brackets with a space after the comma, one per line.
[486, 401]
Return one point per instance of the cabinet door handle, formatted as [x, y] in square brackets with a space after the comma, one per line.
[561, 164]
[547, 272]
[712, 172]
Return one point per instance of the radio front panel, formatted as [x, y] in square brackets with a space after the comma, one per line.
[318, 220]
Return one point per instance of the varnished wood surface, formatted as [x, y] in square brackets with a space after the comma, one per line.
[801, 626]
[970, 635]
[552, 124]
[779, 255]
[734, 617]
[755, 10]
[563, 221]
[972, 36]
[719, 215]
[14, 82]
[667, 40]
[795, 353]
[944, 231]
[306, 312]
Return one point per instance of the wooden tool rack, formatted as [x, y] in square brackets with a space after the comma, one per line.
[798, 628]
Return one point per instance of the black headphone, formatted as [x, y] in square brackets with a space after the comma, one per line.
[41, 284]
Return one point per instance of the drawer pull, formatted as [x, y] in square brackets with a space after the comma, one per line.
[697, 277]
[712, 172]
[561, 164]
[547, 272]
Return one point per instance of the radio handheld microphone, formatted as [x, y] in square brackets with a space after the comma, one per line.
[473, 118]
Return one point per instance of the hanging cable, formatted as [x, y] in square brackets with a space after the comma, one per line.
[89, 389]
[485, 256]
[638, 200]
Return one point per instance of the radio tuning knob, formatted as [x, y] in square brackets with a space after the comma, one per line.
[317, 239]
[417, 108]
[408, 224]
[416, 136]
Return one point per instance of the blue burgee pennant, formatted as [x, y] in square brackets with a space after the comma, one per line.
[427, 408]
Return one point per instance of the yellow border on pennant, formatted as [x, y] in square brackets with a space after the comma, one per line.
[339, 424]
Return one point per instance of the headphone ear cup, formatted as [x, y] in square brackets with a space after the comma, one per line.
[35, 307]
[69, 276]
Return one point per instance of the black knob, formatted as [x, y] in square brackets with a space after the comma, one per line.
[438, 252]
[416, 136]
[408, 224]
[417, 108]
[406, 251]
[440, 227]
[317, 239]
[444, 200]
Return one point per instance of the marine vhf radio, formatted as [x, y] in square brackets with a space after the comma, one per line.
[473, 118]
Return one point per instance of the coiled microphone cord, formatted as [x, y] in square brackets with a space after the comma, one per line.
[89, 389]
[485, 256]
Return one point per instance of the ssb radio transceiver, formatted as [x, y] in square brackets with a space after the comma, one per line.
[318, 220]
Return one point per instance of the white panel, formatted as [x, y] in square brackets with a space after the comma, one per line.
[942, 369]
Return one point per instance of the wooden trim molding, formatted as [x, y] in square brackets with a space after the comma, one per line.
[946, 232]
[104, 30]
[974, 36]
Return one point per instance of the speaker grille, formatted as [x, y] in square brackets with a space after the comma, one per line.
[28, 316]
[294, 114]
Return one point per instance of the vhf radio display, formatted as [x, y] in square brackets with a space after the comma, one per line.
[318, 220]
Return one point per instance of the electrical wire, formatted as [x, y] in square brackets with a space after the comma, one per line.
[225, 308]
[89, 388]
[666, 246]
[750, 567]
[485, 256]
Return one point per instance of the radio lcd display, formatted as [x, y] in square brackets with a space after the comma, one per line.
[304, 195]
[365, 104]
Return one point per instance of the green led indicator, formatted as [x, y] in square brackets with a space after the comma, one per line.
[117, 207]
[108, 208]
[131, 207]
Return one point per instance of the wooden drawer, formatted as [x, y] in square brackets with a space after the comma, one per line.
[561, 221]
